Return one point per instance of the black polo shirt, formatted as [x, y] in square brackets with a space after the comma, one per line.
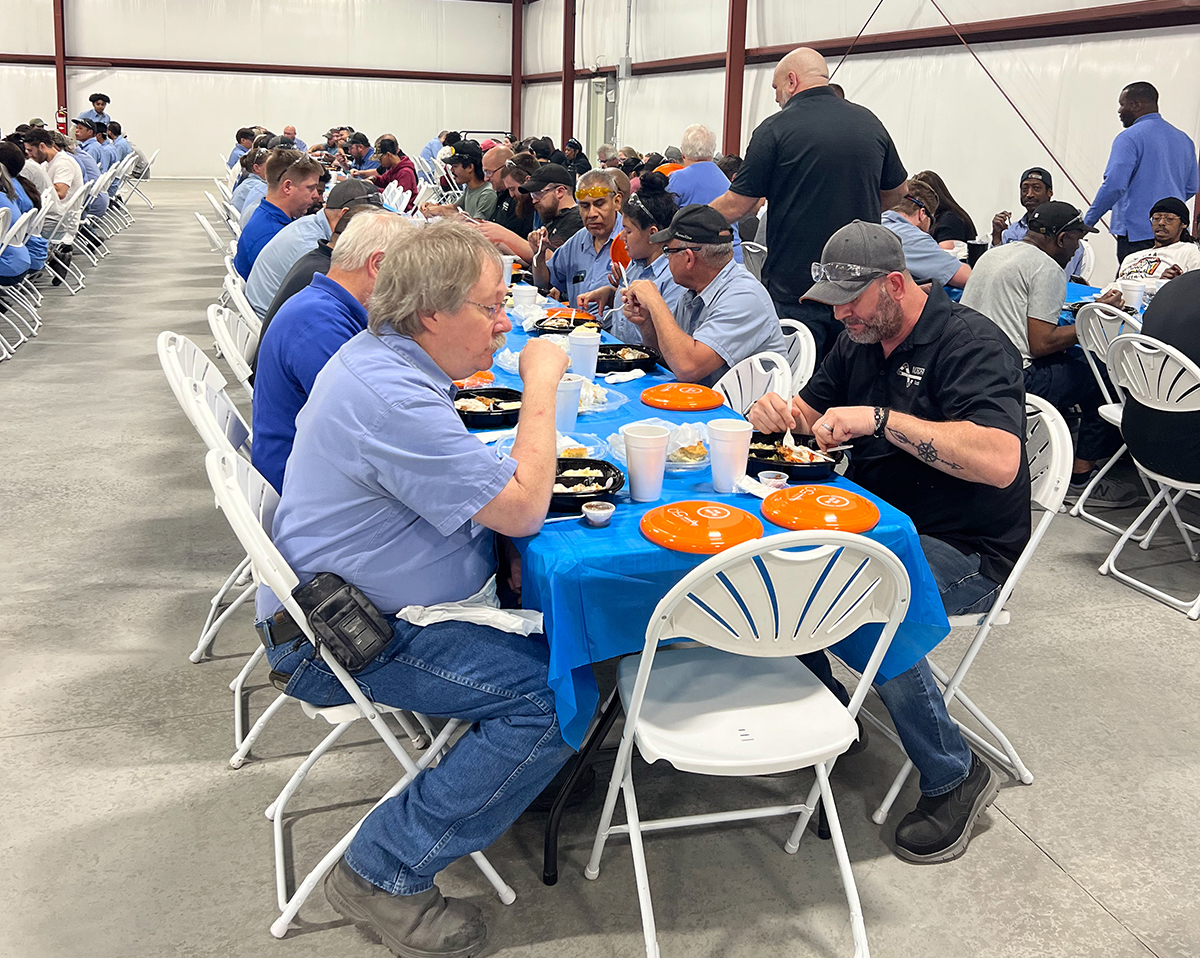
[505, 214]
[564, 226]
[956, 365]
[821, 162]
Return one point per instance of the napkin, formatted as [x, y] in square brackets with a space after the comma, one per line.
[613, 378]
[753, 487]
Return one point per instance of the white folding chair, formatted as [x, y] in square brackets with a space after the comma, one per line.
[249, 502]
[215, 243]
[741, 703]
[1159, 377]
[390, 194]
[223, 186]
[1088, 263]
[68, 213]
[235, 341]
[754, 255]
[17, 294]
[801, 351]
[135, 181]
[222, 214]
[748, 381]
[1049, 454]
[1096, 326]
[235, 296]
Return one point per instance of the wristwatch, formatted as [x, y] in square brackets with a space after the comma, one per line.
[881, 418]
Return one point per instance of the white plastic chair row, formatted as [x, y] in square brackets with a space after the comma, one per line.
[215, 243]
[748, 381]
[801, 352]
[236, 341]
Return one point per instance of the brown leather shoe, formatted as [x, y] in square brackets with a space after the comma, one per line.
[412, 926]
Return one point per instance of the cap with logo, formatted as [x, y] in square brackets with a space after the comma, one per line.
[696, 223]
[349, 192]
[1054, 217]
[855, 256]
[465, 151]
[1037, 173]
[85, 123]
[38, 122]
[548, 176]
[358, 139]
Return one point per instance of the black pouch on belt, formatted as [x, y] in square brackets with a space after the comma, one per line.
[344, 620]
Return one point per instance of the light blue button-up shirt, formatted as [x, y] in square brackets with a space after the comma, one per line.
[91, 114]
[384, 481]
[95, 149]
[922, 255]
[236, 154]
[430, 150]
[256, 192]
[250, 186]
[1016, 232]
[659, 273]
[91, 171]
[1150, 161]
[577, 268]
[733, 315]
[279, 255]
[123, 147]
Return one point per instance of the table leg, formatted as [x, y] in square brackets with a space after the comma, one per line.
[587, 754]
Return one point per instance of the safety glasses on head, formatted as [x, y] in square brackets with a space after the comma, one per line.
[844, 272]
[593, 193]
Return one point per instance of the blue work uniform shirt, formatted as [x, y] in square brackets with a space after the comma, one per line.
[251, 185]
[91, 171]
[308, 329]
[703, 182]
[367, 161]
[123, 147]
[922, 255]
[430, 150]
[1016, 231]
[577, 268]
[95, 117]
[1150, 161]
[14, 261]
[280, 254]
[95, 149]
[733, 315]
[267, 220]
[659, 273]
[235, 155]
[300, 144]
[384, 481]
[36, 245]
[256, 192]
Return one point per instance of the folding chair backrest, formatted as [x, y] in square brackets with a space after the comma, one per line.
[748, 381]
[182, 359]
[224, 188]
[801, 351]
[216, 205]
[5, 216]
[754, 255]
[236, 294]
[236, 340]
[214, 240]
[39, 219]
[1048, 452]
[1088, 263]
[20, 229]
[1096, 326]
[1154, 373]
[217, 419]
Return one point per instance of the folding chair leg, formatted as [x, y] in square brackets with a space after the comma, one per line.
[857, 927]
[215, 603]
[1009, 757]
[1107, 565]
[641, 874]
[209, 635]
[1144, 541]
[237, 687]
[793, 843]
[879, 816]
[238, 759]
[624, 755]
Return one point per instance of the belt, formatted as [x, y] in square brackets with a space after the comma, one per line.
[278, 629]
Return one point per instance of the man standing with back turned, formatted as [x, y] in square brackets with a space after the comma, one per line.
[1150, 159]
[821, 162]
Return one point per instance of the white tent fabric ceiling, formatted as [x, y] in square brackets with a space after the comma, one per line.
[939, 106]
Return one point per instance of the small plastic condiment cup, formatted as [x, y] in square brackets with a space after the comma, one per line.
[773, 480]
[598, 512]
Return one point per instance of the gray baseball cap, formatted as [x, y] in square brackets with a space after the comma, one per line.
[349, 192]
[855, 256]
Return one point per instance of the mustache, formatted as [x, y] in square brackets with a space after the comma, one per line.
[498, 342]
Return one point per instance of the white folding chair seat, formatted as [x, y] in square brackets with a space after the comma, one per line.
[748, 381]
[801, 352]
[1050, 456]
[249, 502]
[740, 703]
[1096, 326]
[236, 341]
[1158, 376]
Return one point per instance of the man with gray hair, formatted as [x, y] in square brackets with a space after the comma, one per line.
[701, 180]
[387, 489]
[308, 329]
[724, 316]
[607, 157]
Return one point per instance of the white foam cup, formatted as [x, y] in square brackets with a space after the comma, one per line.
[524, 295]
[508, 269]
[566, 402]
[584, 347]
[1132, 292]
[646, 457]
[729, 448]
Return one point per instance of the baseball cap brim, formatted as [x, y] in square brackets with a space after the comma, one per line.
[839, 292]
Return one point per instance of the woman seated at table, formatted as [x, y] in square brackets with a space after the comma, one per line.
[650, 210]
[1174, 252]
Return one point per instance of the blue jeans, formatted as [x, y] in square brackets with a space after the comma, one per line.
[913, 698]
[493, 679]
[1065, 380]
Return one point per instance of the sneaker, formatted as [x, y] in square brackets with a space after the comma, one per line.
[861, 744]
[412, 926]
[1108, 494]
[939, 828]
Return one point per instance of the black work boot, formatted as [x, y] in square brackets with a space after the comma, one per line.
[412, 926]
[58, 263]
[939, 828]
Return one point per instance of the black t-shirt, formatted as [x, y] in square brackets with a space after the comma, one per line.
[949, 226]
[578, 166]
[821, 162]
[315, 261]
[564, 226]
[1169, 442]
[956, 365]
[505, 214]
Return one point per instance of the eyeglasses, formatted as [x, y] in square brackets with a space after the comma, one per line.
[593, 193]
[491, 311]
[668, 250]
[1076, 223]
[843, 272]
[917, 203]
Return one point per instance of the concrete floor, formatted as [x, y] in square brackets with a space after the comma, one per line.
[127, 835]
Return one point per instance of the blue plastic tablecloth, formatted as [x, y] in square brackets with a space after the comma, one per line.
[598, 587]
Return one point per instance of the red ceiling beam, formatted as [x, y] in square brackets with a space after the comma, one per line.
[60, 55]
[735, 71]
[568, 72]
[218, 66]
[518, 56]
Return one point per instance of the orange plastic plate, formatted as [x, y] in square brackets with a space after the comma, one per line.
[477, 380]
[820, 507]
[620, 252]
[564, 313]
[682, 397]
[699, 526]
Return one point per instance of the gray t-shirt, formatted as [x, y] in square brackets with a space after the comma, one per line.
[478, 203]
[1013, 283]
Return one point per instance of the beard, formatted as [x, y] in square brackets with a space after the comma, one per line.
[884, 323]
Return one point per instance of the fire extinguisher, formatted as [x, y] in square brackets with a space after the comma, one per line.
[60, 121]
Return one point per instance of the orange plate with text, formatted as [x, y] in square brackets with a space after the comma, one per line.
[682, 397]
[700, 527]
[820, 507]
[564, 313]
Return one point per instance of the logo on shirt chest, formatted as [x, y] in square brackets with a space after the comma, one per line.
[912, 375]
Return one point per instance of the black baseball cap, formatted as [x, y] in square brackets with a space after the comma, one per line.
[466, 151]
[549, 175]
[696, 223]
[349, 192]
[85, 123]
[1054, 217]
[358, 139]
[856, 256]
[1037, 173]
[574, 144]
[100, 96]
